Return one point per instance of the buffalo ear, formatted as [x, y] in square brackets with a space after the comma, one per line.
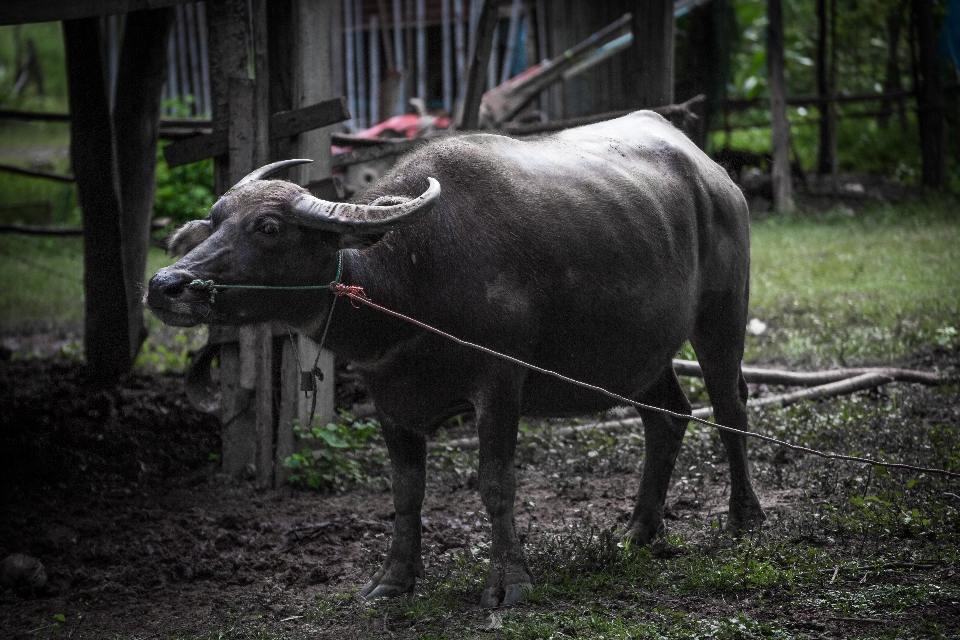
[359, 241]
[187, 237]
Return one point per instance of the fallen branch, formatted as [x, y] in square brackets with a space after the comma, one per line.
[913, 566]
[692, 369]
[40, 231]
[841, 387]
[862, 620]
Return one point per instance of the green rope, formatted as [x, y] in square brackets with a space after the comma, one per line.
[211, 287]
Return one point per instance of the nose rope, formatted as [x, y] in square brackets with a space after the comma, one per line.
[212, 288]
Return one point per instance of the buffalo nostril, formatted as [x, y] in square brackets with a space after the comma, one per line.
[174, 290]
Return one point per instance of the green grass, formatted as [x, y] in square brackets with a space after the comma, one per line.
[43, 283]
[870, 288]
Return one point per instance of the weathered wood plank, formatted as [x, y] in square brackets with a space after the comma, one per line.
[283, 124]
[248, 357]
[315, 116]
[289, 409]
[264, 405]
[195, 148]
[235, 415]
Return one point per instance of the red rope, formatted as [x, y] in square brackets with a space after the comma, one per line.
[357, 294]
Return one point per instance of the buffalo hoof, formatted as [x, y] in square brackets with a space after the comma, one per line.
[642, 533]
[744, 518]
[374, 591]
[506, 586]
[493, 598]
[392, 580]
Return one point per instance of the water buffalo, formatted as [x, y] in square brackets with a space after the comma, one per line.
[594, 252]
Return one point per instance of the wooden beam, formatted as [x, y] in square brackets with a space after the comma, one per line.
[283, 125]
[37, 173]
[195, 148]
[24, 11]
[315, 116]
[32, 230]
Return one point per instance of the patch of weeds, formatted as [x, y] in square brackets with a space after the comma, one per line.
[337, 455]
[888, 600]
[170, 351]
[184, 193]
[452, 467]
[734, 571]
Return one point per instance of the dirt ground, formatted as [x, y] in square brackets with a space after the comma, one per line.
[115, 492]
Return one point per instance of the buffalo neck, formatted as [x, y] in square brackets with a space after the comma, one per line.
[358, 332]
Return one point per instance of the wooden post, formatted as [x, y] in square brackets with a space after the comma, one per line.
[827, 152]
[933, 139]
[479, 63]
[239, 415]
[136, 126]
[226, 26]
[780, 126]
[648, 63]
[91, 149]
[310, 84]
[264, 405]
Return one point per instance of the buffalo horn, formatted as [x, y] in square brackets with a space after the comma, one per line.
[343, 217]
[268, 169]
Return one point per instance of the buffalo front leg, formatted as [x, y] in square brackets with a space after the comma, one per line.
[663, 436]
[498, 412]
[404, 564]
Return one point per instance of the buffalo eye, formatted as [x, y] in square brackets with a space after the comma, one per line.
[268, 228]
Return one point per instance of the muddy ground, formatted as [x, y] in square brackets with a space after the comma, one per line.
[116, 493]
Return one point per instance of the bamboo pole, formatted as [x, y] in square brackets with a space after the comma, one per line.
[422, 50]
[350, 66]
[512, 32]
[461, 49]
[446, 55]
[362, 104]
[374, 41]
[399, 57]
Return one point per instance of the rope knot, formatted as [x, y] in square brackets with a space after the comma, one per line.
[352, 292]
[204, 285]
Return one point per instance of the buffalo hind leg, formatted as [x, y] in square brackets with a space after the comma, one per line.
[719, 349]
[663, 435]
[404, 564]
[498, 412]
